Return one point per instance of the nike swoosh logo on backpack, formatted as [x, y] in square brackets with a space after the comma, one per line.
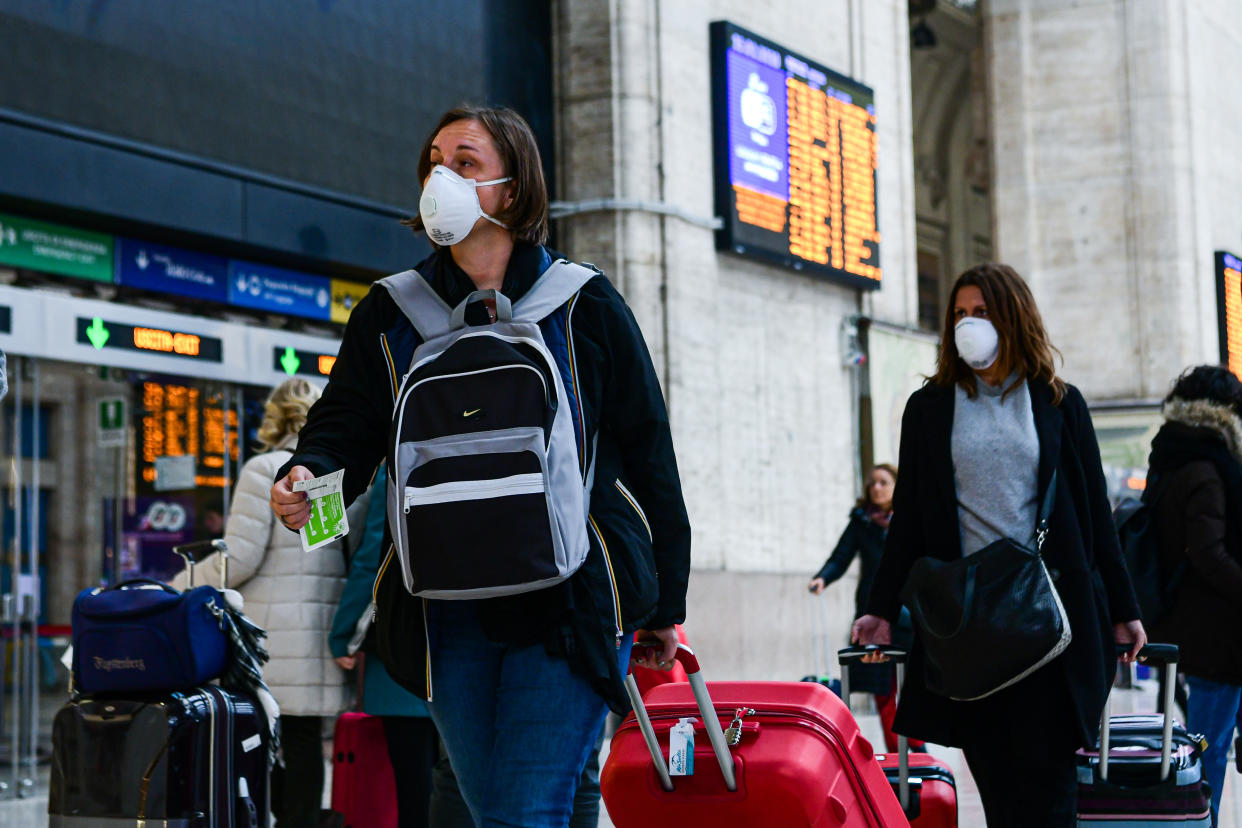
[471, 413]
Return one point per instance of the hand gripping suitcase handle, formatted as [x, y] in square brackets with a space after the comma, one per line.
[707, 710]
[855, 653]
[1166, 654]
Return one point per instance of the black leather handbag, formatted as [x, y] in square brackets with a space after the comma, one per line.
[989, 619]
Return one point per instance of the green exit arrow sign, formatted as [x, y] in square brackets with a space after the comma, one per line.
[97, 333]
[290, 362]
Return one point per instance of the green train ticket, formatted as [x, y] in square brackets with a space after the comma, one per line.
[327, 504]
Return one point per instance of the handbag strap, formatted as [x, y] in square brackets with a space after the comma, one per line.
[1045, 512]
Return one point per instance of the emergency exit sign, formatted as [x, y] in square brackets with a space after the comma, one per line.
[55, 248]
[112, 422]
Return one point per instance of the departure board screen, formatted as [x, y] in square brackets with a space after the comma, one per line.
[795, 160]
[1229, 309]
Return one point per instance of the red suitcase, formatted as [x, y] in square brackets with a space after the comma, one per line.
[930, 796]
[796, 758]
[363, 787]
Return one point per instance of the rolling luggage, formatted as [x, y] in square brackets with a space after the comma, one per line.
[924, 785]
[792, 756]
[363, 786]
[1146, 770]
[193, 759]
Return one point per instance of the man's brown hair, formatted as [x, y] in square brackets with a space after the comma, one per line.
[1024, 344]
[527, 216]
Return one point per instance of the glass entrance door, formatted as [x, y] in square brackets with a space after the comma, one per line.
[102, 472]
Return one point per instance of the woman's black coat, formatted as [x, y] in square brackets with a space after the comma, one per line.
[862, 537]
[1081, 551]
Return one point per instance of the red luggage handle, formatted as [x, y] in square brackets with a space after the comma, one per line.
[707, 710]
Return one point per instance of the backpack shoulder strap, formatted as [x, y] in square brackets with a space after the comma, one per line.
[427, 312]
[555, 287]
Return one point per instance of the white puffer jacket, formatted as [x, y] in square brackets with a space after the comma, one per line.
[290, 593]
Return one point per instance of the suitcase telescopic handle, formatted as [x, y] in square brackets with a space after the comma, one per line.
[1167, 655]
[898, 656]
[200, 550]
[715, 733]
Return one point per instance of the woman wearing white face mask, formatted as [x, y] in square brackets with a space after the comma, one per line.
[980, 443]
[518, 686]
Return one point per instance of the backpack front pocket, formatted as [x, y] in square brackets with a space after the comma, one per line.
[477, 517]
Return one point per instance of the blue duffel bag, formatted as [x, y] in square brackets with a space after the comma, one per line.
[144, 635]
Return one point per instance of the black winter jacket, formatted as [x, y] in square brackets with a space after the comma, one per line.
[636, 572]
[1196, 471]
[862, 537]
[1063, 700]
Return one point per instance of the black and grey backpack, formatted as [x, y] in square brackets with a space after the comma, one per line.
[485, 492]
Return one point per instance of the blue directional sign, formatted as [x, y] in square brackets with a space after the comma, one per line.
[171, 270]
[268, 288]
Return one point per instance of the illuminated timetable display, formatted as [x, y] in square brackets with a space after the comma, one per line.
[182, 419]
[795, 160]
[1229, 309]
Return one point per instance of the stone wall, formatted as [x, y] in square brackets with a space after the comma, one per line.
[764, 413]
[1114, 126]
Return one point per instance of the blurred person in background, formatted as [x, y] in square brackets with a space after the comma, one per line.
[864, 538]
[1195, 482]
[292, 594]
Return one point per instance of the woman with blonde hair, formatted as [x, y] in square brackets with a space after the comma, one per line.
[994, 445]
[293, 595]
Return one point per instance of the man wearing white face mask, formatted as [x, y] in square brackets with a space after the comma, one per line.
[992, 436]
[518, 686]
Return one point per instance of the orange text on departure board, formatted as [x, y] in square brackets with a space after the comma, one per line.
[325, 364]
[154, 339]
[176, 420]
[832, 164]
[1233, 318]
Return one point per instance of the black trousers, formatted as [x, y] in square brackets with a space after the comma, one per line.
[412, 749]
[297, 788]
[1024, 789]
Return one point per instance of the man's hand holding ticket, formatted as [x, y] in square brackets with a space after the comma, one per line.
[327, 509]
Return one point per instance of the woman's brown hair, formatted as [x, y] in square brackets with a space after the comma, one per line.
[527, 216]
[1024, 344]
[865, 501]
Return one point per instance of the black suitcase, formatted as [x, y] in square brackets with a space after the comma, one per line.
[193, 759]
[1146, 770]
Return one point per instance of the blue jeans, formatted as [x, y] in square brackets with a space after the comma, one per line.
[1214, 712]
[518, 724]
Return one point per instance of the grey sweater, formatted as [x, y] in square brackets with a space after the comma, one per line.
[995, 465]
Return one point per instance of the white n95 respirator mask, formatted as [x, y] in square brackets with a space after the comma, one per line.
[449, 205]
[977, 342]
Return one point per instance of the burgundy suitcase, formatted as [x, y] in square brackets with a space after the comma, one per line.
[793, 756]
[929, 795]
[363, 786]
